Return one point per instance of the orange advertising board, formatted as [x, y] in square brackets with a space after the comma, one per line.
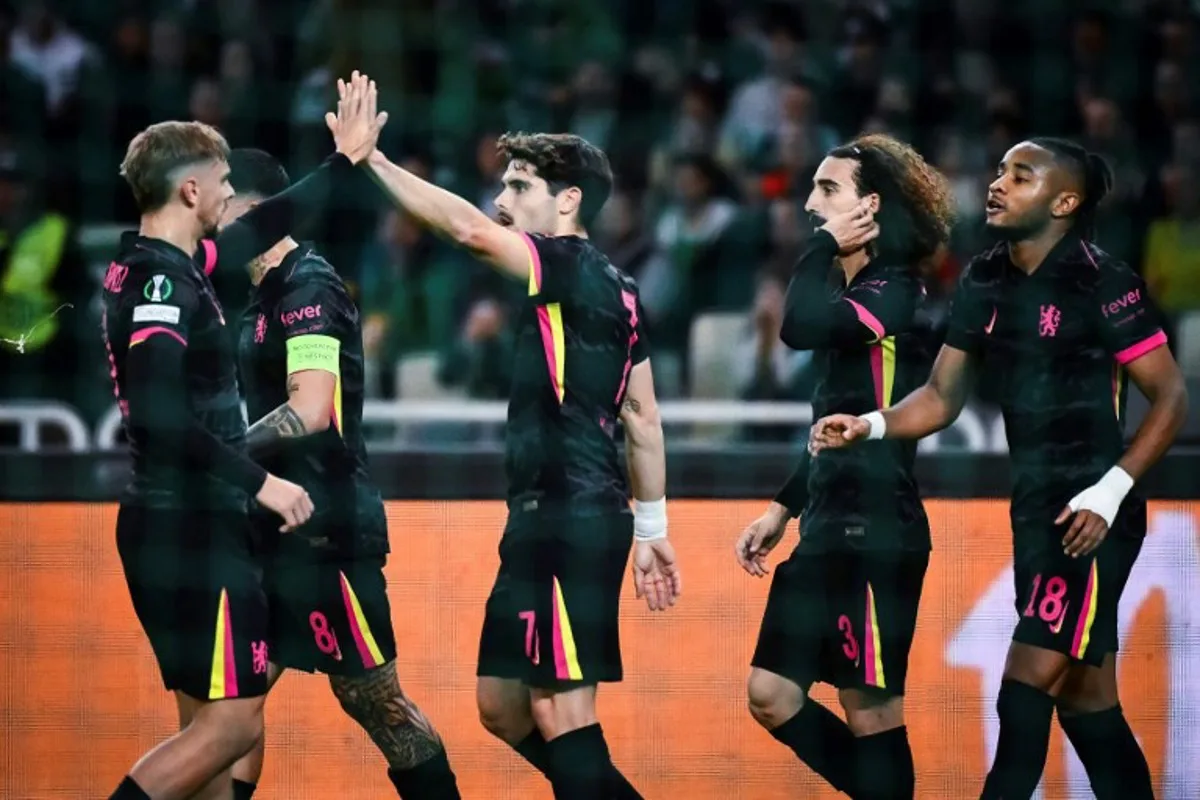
[81, 700]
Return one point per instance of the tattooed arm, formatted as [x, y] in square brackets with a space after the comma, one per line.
[393, 721]
[309, 410]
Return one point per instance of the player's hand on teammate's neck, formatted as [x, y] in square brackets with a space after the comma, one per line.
[271, 259]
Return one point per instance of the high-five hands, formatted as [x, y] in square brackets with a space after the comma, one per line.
[357, 123]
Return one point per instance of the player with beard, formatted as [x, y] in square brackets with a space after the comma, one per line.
[1061, 327]
[843, 607]
[551, 630]
[182, 529]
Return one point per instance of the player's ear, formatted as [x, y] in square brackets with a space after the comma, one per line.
[1065, 204]
[872, 202]
[569, 200]
[189, 191]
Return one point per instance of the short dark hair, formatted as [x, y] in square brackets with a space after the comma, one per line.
[1090, 169]
[563, 160]
[256, 172]
[158, 151]
[916, 204]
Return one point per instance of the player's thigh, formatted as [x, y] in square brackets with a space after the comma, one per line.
[198, 594]
[577, 603]
[330, 616]
[1069, 605]
[509, 639]
[875, 607]
[796, 628]
[1088, 689]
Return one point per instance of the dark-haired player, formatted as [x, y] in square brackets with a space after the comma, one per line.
[550, 633]
[300, 352]
[843, 606]
[182, 530]
[1062, 327]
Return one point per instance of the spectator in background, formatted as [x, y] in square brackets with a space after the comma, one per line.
[801, 138]
[489, 166]
[22, 95]
[169, 88]
[1171, 264]
[204, 103]
[40, 271]
[857, 81]
[622, 236]
[695, 126]
[766, 368]
[689, 254]
[47, 48]
[754, 111]
[480, 360]
[411, 283]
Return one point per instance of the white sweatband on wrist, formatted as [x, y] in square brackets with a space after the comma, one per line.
[877, 423]
[1105, 496]
[650, 520]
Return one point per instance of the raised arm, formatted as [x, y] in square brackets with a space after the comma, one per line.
[452, 217]
[355, 128]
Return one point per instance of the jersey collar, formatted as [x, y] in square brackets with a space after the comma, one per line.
[132, 240]
[1063, 256]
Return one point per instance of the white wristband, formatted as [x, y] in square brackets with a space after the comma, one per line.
[650, 520]
[878, 424]
[1105, 496]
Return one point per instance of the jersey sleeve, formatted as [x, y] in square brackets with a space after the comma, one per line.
[971, 317]
[639, 345]
[291, 212]
[552, 268]
[313, 327]
[1130, 324]
[155, 386]
[794, 494]
[867, 312]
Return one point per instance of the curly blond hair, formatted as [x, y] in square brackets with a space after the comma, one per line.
[916, 203]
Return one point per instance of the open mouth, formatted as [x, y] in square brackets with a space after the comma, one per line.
[993, 206]
[505, 220]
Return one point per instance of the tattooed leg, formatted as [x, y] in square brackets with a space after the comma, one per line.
[398, 728]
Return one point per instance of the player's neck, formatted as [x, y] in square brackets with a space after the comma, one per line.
[172, 225]
[564, 228]
[271, 259]
[854, 263]
[1027, 255]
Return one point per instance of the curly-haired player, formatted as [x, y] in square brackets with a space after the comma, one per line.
[1061, 327]
[842, 609]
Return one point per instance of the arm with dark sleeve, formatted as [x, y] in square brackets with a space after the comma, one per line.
[794, 494]
[865, 313]
[291, 212]
[155, 389]
[1131, 328]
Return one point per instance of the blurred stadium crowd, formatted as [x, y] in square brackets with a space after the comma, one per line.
[714, 112]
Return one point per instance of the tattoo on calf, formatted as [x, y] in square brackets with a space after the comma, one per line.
[399, 729]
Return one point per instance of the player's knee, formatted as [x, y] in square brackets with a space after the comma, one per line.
[772, 699]
[556, 713]
[504, 714]
[1037, 667]
[234, 726]
[869, 712]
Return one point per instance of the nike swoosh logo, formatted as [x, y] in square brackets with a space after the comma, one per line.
[1061, 617]
[988, 329]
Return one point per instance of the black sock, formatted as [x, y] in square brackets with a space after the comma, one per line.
[582, 769]
[533, 749]
[884, 766]
[822, 741]
[129, 790]
[1115, 764]
[432, 779]
[1025, 715]
[243, 790]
